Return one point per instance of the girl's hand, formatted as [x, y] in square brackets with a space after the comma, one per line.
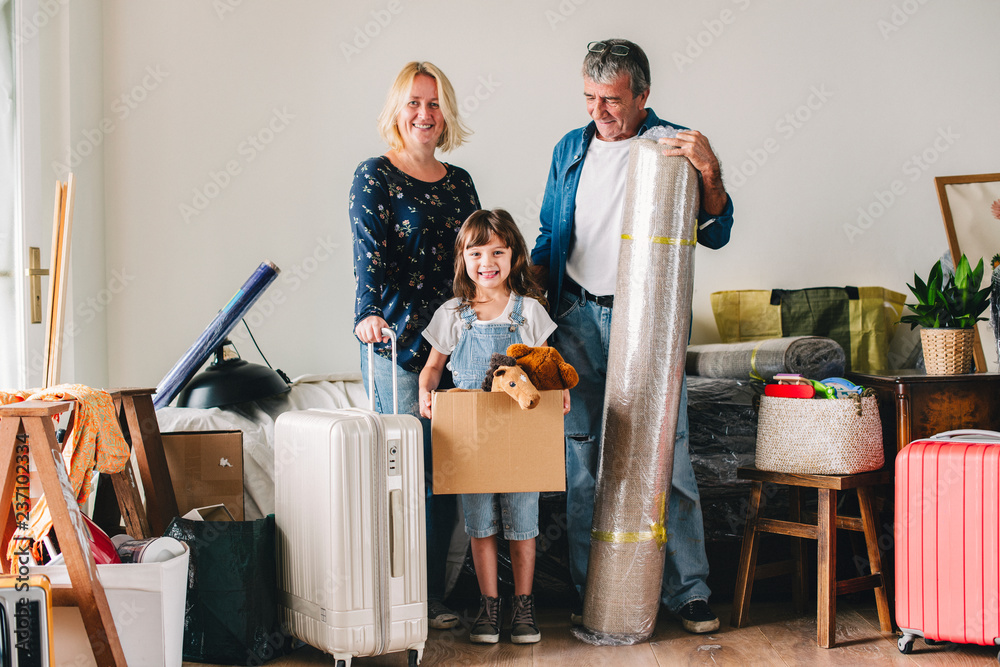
[565, 401]
[429, 379]
[369, 330]
[425, 404]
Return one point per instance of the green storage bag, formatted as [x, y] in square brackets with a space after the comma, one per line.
[231, 616]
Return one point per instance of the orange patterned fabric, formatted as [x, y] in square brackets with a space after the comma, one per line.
[14, 396]
[93, 440]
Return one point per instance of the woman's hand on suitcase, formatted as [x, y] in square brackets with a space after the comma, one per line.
[565, 401]
[369, 330]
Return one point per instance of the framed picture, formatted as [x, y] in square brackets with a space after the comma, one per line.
[970, 206]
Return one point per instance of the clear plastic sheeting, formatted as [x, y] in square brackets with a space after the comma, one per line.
[722, 426]
[660, 132]
[649, 332]
[814, 357]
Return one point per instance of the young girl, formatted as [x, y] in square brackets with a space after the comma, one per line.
[496, 304]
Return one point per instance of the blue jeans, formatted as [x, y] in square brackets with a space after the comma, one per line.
[583, 338]
[439, 510]
[518, 515]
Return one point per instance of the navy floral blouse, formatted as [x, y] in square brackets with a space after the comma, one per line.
[404, 237]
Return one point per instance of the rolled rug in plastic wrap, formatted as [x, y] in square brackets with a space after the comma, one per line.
[812, 356]
[649, 332]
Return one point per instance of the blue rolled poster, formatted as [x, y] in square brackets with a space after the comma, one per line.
[214, 334]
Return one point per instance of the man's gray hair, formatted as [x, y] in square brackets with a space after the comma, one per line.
[604, 67]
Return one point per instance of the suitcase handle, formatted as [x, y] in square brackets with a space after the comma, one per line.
[371, 372]
[968, 435]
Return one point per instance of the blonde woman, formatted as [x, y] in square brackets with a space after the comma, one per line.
[406, 207]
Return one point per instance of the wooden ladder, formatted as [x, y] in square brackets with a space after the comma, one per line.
[137, 417]
[27, 428]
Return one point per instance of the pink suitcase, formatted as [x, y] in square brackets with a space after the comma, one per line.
[349, 513]
[947, 530]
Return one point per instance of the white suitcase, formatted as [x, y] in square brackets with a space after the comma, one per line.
[349, 513]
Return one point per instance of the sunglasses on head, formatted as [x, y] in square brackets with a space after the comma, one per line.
[601, 47]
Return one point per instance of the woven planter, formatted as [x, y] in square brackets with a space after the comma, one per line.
[947, 351]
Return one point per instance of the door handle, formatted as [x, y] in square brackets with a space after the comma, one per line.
[35, 273]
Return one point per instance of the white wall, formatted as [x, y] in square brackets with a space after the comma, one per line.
[886, 81]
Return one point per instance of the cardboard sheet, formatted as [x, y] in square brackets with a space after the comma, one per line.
[206, 468]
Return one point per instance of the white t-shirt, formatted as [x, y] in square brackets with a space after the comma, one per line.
[600, 203]
[446, 326]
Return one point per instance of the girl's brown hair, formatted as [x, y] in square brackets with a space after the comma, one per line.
[476, 231]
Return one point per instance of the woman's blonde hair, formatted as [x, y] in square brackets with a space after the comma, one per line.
[477, 230]
[454, 133]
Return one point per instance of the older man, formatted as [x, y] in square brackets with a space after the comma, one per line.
[577, 257]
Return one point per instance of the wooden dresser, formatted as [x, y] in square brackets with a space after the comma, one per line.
[914, 405]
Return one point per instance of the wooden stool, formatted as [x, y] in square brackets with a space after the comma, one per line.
[824, 531]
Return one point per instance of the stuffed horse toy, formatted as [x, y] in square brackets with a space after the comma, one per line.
[514, 381]
[505, 375]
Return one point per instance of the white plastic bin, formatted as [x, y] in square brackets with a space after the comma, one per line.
[147, 603]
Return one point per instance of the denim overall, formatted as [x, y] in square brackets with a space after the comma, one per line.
[469, 361]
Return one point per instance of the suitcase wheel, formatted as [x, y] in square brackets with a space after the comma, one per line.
[412, 658]
[905, 644]
[931, 642]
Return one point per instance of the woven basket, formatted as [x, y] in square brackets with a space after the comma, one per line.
[947, 351]
[820, 436]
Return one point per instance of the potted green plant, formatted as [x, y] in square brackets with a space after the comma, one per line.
[948, 308]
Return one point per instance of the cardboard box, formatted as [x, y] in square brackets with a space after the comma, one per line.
[147, 603]
[206, 468]
[484, 442]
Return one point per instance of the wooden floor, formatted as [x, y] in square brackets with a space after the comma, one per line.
[778, 637]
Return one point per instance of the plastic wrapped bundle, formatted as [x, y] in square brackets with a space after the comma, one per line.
[722, 422]
[649, 332]
[812, 356]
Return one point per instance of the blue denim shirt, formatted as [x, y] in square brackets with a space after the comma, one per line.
[559, 206]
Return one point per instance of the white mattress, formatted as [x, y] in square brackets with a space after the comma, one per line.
[256, 420]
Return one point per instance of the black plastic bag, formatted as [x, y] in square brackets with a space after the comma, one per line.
[231, 614]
